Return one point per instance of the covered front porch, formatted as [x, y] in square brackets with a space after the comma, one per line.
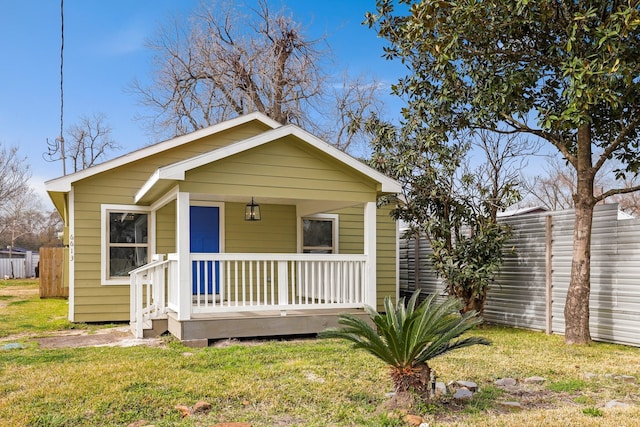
[225, 295]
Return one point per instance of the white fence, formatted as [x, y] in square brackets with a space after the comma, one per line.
[19, 268]
[531, 287]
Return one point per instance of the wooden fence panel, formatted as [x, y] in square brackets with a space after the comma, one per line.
[51, 273]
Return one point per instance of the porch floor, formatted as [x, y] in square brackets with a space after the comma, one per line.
[203, 327]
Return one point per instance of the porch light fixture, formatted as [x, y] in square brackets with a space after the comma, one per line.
[252, 211]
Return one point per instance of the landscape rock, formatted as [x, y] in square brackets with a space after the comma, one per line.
[201, 407]
[535, 380]
[590, 375]
[470, 385]
[184, 410]
[616, 404]
[463, 393]
[441, 389]
[414, 420]
[314, 378]
[12, 346]
[505, 382]
[627, 378]
[512, 406]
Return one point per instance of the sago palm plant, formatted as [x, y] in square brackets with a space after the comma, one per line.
[407, 337]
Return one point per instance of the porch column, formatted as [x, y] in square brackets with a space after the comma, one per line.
[183, 249]
[370, 252]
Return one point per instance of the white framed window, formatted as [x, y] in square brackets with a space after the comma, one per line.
[125, 241]
[319, 234]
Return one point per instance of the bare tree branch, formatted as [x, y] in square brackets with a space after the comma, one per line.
[89, 141]
[14, 173]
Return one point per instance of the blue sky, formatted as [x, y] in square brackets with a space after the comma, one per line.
[104, 50]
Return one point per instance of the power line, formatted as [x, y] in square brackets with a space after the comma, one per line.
[55, 149]
[61, 137]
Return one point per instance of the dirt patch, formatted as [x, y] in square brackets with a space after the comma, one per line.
[14, 293]
[17, 291]
[110, 337]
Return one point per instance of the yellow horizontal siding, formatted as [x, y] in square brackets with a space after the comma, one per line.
[93, 301]
[275, 233]
[386, 268]
[166, 229]
[279, 169]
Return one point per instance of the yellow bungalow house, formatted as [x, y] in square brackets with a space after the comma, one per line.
[245, 228]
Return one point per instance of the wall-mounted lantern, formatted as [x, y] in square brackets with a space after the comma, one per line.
[252, 211]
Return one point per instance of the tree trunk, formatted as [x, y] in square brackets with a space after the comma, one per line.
[475, 302]
[576, 310]
[415, 379]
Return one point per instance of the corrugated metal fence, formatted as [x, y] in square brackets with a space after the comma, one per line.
[531, 288]
[19, 266]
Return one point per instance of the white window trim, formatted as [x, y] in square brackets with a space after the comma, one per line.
[104, 237]
[336, 227]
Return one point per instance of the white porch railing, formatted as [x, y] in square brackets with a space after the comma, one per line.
[223, 282]
[230, 282]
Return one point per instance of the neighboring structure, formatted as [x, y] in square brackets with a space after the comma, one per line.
[531, 286]
[169, 233]
[18, 263]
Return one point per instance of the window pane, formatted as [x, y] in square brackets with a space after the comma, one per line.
[123, 260]
[317, 233]
[127, 227]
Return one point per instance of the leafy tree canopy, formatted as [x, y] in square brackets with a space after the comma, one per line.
[539, 67]
[565, 71]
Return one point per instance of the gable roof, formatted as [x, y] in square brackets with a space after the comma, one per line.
[177, 171]
[63, 184]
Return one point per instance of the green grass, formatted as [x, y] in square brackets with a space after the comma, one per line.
[568, 386]
[25, 313]
[301, 383]
[592, 412]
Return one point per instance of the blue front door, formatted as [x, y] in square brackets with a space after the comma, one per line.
[204, 236]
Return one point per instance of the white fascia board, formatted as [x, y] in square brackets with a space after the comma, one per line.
[147, 186]
[389, 185]
[63, 184]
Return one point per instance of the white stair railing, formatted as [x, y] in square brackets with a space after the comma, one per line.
[148, 294]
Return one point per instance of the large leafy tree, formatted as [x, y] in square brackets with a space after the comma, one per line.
[565, 71]
[447, 203]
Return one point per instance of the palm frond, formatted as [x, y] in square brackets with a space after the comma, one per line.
[409, 335]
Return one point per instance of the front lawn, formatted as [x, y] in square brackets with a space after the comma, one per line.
[304, 382]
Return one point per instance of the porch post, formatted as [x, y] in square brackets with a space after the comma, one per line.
[183, 249]
[370, 252]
